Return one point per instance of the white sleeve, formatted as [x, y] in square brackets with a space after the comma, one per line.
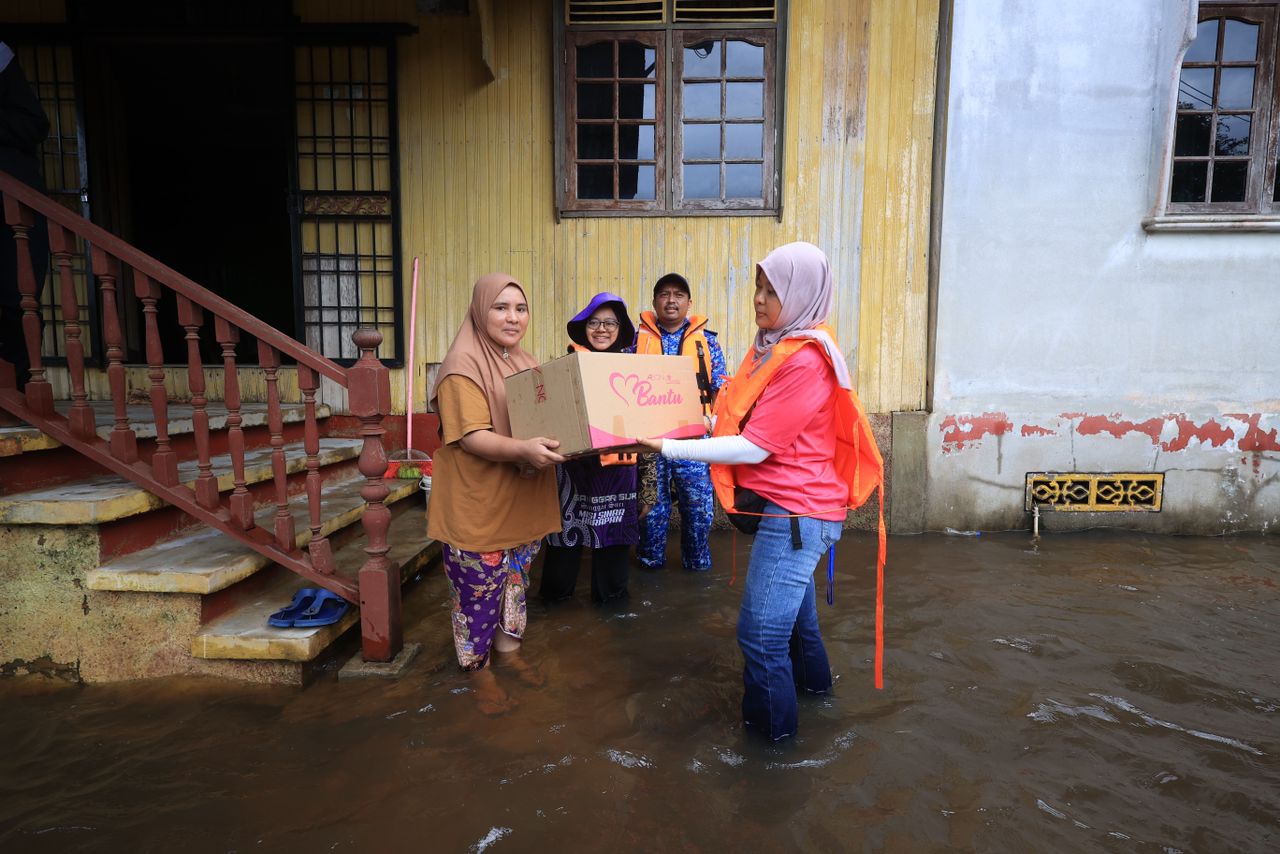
[729, 450]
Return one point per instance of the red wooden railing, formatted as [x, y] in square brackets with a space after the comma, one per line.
[377, 586]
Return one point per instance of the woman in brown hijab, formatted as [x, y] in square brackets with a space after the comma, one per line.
[493, 496]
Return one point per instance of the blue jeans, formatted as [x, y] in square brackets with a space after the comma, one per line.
[778, 624]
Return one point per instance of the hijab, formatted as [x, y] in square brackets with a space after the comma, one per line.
[476, 356]
[801, 277]
[577, 325]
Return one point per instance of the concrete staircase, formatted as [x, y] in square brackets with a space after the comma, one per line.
[102, 581]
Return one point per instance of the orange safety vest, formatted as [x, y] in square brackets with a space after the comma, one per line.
[857, 460]
[649, 340]
[605, 459]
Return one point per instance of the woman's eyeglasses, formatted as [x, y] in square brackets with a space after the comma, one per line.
[609, 325]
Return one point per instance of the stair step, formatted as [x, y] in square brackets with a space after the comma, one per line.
[205, 560]
[106, 498]
[243, 633]
[24, 439]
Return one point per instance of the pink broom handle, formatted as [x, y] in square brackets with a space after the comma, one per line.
[410, 368]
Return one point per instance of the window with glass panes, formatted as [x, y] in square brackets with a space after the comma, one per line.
[1226, 130]
[669, 108]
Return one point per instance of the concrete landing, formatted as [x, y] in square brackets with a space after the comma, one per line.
[205, 560]
[243, 633]
[358, 668]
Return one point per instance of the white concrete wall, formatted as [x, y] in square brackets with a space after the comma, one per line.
[1068, 338]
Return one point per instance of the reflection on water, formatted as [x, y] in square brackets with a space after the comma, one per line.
[1100, 692]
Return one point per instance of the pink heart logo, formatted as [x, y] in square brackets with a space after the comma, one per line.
[624, 386]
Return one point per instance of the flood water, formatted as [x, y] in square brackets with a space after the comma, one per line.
[1097, 692]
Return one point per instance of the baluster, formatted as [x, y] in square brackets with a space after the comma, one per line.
[240, 504]
[124, 443]
[164, 462]
[269, 358]
[81, 417]
[321, 551]
[369, 398]
[21, 219]
[190, 317]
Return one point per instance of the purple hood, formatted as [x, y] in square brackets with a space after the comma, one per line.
[577, 325]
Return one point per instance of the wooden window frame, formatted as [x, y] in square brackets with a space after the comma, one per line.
[579, 39]
[1260, 209]
[761, 38]
[669, 38]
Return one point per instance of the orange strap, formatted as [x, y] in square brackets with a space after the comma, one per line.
[880, 556]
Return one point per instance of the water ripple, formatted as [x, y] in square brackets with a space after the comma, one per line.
[628, 759]
[494, 834]
[1125, 705]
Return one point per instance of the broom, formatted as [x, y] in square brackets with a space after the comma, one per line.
[410, 464]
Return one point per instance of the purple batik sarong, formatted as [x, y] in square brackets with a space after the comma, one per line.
[488, 596]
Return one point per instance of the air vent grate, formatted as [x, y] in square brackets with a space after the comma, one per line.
[1125, 492]
[725, 11]
[616, 11]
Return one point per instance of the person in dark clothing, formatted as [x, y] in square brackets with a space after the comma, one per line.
[597, 493]
[23, 127]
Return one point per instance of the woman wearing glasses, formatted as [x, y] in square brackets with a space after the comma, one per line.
[597, 494]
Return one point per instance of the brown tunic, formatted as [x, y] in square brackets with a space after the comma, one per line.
[476, 504]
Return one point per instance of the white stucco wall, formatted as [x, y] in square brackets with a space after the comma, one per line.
[1056, 310]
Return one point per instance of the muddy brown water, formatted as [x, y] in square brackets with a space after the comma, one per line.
[1099, 692]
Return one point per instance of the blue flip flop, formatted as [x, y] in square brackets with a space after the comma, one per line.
[327, 608]
[302, 600]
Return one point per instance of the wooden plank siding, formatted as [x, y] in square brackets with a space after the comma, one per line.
[893, 326]
[477, 163]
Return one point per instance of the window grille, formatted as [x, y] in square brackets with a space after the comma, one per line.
[345, 215]
[615, 12]
[50, 71]
[724, 11]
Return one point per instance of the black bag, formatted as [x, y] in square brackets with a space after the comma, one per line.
[746, 500]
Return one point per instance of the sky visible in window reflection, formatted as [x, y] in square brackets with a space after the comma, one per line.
[1205, 46]
[1240, 42]
[1235, 90]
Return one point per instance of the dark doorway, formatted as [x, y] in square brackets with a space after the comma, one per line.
[193, 158]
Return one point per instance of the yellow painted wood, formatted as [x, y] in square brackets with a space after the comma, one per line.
[895, 226]
[477, 159]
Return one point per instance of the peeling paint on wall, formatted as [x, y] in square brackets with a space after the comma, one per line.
[1093, 425]
[961, 430]
[1170, 432]
[1255, 439]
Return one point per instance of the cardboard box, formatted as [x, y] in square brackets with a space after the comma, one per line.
[594, 402]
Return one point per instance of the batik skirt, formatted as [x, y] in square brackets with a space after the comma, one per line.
[488, 591]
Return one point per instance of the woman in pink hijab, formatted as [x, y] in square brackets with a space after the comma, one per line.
[780, 451]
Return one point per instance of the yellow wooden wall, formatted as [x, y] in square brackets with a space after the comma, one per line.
[894, 321]
[477, 186]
